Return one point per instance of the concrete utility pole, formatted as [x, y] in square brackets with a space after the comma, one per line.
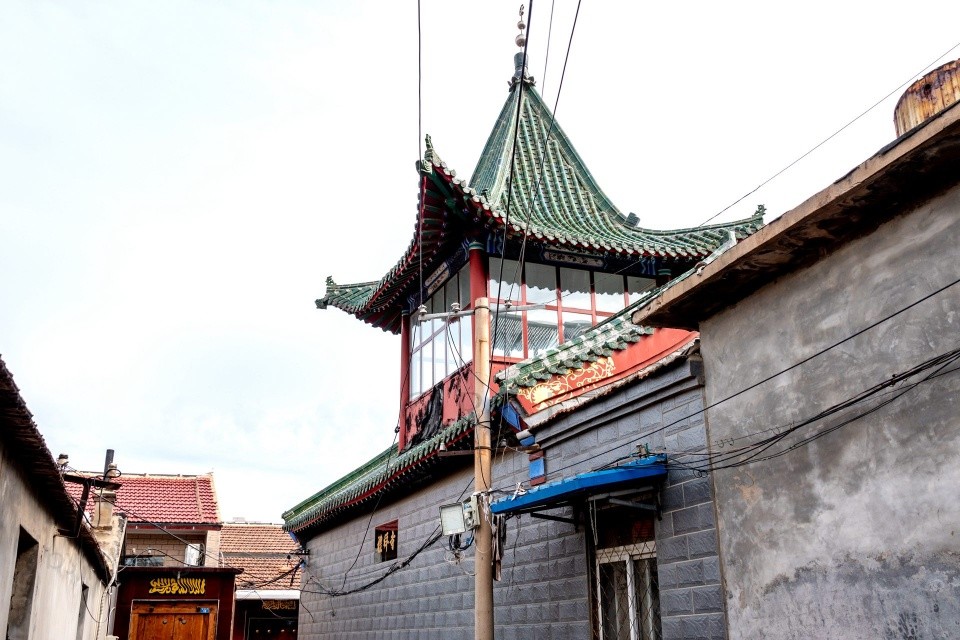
[482, 469]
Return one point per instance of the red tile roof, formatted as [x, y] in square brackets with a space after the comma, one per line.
[264, 552]
[165, 499]
[255, 538]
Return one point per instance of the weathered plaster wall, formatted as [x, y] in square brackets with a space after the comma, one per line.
[856, 535]
[544, 593]
[61, 567]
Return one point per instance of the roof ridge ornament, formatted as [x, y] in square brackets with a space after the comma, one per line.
[521, 39]
[519, 63]
[430, 157]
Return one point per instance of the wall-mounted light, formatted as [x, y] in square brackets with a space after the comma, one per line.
[458, 517]
[451, 519]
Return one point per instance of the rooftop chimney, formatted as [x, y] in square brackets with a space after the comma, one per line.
[927, 97]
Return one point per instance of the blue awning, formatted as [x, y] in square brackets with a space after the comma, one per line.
[554, 494]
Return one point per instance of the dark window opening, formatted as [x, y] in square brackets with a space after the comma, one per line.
[21, 597]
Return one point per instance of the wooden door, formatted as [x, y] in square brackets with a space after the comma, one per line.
[173, 621]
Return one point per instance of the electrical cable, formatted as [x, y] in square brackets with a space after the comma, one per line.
[715, 462]
[546, 57]
[420, 139]
[872, 325]
[828, 138]
[718, 461]
[431, 540]
[510, 172]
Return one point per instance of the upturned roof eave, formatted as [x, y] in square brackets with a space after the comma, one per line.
[369, 305]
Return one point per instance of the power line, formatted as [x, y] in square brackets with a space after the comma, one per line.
[828, 138]
[727, 460]
[644, 436]
[420, 142]
[397, 566]
[518, 276]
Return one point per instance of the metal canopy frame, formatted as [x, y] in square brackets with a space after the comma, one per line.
[612, 485]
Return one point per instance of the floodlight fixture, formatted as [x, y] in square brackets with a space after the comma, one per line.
[452, 521]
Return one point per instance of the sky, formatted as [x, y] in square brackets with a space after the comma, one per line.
[177, 179]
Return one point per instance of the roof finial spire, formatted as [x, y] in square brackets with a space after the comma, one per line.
[519, 58]
[521, 39]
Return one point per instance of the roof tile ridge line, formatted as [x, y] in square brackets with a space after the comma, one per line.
[566, 144]
[499, 137]
[354, 285]
[158, 476]
[213, 496]
[385, 470]
[581, 345]
[709, 227]
[332, 487]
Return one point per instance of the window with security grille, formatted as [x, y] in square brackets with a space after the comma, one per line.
[626, 595]
[628, 602]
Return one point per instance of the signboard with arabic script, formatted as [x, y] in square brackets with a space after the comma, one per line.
[277, 605]
[176, 586]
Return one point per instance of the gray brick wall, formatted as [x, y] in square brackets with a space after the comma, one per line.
[545, 587]
[691, 593]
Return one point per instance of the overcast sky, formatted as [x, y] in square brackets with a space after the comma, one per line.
[178, 178]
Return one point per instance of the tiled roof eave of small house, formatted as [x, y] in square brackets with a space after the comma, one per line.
[173, 501]
[23, 442]
[381, 475]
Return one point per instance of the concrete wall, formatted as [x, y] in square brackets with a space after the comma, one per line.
[545, 588]
[856, 535]
[62, 569]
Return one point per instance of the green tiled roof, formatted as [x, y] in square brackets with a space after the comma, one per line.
[565, 208]
[381, 474]
[349, 297]
[563, 204]
[614, 334]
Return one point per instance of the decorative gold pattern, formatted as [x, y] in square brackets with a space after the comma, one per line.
[576, 379]
[276, 605]
[386, 541]
[173, 586]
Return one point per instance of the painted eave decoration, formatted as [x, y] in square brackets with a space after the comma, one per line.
[607, 353]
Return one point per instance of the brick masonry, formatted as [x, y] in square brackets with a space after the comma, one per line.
[546, 578]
